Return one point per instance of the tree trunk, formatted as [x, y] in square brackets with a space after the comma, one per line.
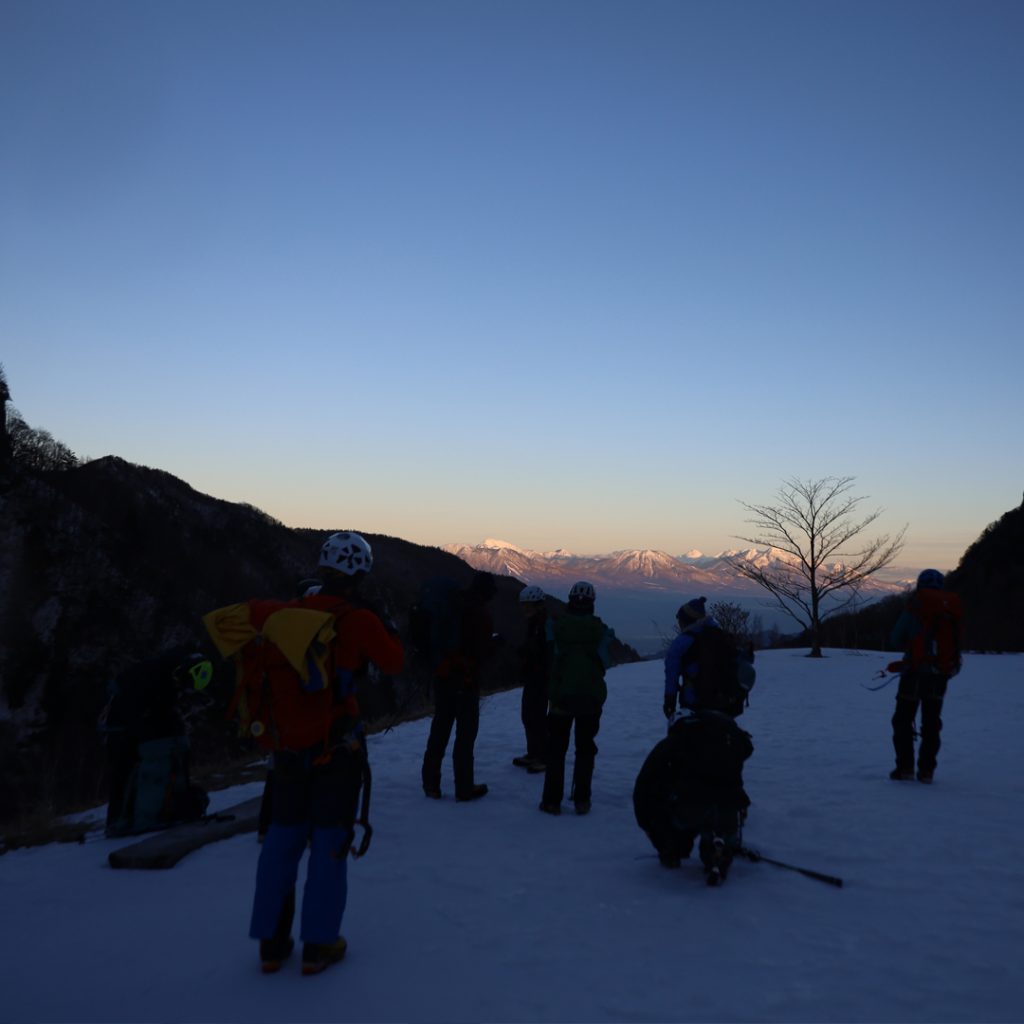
[815, 620]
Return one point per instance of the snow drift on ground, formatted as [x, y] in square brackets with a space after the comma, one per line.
[492, 911]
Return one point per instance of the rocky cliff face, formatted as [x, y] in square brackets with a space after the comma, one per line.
[109, 563]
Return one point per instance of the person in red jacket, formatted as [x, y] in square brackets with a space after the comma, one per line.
[316, 788]
[930, 632]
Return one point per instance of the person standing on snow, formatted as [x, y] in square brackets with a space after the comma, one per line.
[692, 784]
[457, 670]
[680, 661]
[930, 631]
[315, 790]
[533, 669]
[579, 652]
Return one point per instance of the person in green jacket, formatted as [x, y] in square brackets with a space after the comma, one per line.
[578, 651]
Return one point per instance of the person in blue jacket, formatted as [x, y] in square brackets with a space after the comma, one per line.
[693, 619]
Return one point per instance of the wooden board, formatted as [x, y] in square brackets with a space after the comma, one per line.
[164, 849]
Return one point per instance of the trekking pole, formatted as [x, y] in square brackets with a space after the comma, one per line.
[753, 856]
[894, 667]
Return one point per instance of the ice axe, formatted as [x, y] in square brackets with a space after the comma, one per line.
[754, 856]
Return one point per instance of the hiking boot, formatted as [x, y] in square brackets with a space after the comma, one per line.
[536, 767]
[475, 793]
[898, 775]
[523, 762]
[925, 776]
[668, 860]
[318, 955]
[551, 808]
[432, 791]
[715, 858]
[274, 952]
[582, 806]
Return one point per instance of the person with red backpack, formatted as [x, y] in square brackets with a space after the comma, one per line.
[930, 632]
[296, 663]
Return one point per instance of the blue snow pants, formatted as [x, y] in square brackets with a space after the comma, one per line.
[312, 804]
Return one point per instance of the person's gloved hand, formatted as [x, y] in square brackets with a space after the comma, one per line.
[669, 707]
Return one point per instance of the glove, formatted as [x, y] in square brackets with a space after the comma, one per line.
[669, 707]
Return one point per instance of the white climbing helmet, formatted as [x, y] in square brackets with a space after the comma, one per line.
[347, 553]
[582, 591]
[530, 595]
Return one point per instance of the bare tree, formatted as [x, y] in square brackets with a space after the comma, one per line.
[36, 449]
[812, 522]
[734, 620]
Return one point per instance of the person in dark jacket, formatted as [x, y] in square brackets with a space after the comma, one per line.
[141, 723]
[456, 679]
[533, 672]
[691, 786]
[929, 631]
[579, 652]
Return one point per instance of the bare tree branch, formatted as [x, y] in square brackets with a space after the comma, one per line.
[810, 524]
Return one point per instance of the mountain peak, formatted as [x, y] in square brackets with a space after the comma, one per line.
[499, 545]
[627, 569]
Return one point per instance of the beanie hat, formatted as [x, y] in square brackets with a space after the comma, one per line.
[931, 579]
[692, 611]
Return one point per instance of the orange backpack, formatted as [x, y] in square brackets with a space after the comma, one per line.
[935, 646]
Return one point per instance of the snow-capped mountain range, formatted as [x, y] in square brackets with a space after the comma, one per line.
[711, 575]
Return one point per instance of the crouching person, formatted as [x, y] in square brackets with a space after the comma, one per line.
[296, 663]
[147, 743]
[690, 788]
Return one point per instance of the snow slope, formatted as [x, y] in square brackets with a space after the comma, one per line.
[494, 911]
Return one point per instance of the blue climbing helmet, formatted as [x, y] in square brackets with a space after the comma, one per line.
[931, 579]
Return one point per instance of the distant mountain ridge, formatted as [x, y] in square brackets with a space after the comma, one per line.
[639, 569]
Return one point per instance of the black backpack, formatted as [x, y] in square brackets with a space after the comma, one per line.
[720, 676]
[435, 620]
[696, 771]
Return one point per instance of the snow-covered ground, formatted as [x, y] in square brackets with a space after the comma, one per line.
[492, 911]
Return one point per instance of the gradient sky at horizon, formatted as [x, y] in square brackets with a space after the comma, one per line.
[572, 274]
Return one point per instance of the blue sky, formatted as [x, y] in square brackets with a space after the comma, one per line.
[573, 274]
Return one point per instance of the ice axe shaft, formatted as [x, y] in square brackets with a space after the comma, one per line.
[754, 857]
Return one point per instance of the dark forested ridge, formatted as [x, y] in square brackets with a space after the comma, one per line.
[990, 582]
[107, 563]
